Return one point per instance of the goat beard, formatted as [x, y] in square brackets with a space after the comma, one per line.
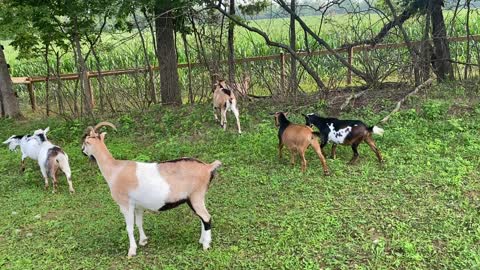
[90, 157]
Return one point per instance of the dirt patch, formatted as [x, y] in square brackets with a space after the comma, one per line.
[375, 98]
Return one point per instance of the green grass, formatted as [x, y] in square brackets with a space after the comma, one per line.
[419, 210]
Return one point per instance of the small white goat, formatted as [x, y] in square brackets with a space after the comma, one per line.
[28, 146]
[224, 100]
[136, 186]
[49, 156]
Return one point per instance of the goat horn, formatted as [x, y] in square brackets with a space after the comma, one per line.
[87, 132]
[101, 124]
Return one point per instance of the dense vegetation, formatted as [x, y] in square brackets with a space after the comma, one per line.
[419, 210]
[124, 50]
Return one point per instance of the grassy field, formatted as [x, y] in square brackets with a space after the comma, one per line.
[420, 210]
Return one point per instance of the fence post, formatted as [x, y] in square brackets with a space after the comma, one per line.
[350, 62]
[90, 90]
[282, 74]
[31, 93]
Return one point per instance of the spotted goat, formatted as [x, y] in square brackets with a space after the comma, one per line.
[137, 186]
[224, 100]
[297, 138]
[50, 157]
[28, 146]
[345, 132]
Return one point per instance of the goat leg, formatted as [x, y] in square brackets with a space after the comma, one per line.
[129, 214]
[334, 151]
[374, 148]
[355, 153]
[318, 150]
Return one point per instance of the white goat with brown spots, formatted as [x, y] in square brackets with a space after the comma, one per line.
[50, 157]
[136, 186]
[224, 100]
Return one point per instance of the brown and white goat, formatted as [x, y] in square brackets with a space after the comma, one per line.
[224, 100]
[297, 138]
[136, 186]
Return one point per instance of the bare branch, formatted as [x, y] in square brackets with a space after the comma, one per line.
[267, 39]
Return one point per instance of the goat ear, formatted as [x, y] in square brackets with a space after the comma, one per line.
[285, 113]
[102, 136]
[46, 130]
[8, 140]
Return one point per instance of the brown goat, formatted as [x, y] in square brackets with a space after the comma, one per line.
[297, 138]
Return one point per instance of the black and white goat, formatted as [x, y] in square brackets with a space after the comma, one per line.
[28, 146]
[50, 157]
[346, 132]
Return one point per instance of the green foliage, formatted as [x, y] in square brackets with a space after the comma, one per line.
[417, 211]
[252, 8]
[434, 109]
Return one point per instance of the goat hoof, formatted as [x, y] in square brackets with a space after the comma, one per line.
[72, 191]
[206, 246]
[326, 173]
[143, 242]
[132, 252]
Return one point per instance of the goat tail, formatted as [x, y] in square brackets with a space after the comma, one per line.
[214, 165]
[13, 142]
[213, 168]
[62, 160]
[376, 130]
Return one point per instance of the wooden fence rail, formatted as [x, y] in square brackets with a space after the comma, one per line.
[29, 81]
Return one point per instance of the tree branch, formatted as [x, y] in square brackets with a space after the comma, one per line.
[269, 42]
[324, 43]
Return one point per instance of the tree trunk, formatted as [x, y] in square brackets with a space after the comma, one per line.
[167, 57]
[467, 67]
[426, 50]
[151, 84]
[293, 42]
[231, 48]
[47, 81]
[189, 68]
[83, 73]
[10, 106]
[150, 26]
[443, 66]
[61, 109]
